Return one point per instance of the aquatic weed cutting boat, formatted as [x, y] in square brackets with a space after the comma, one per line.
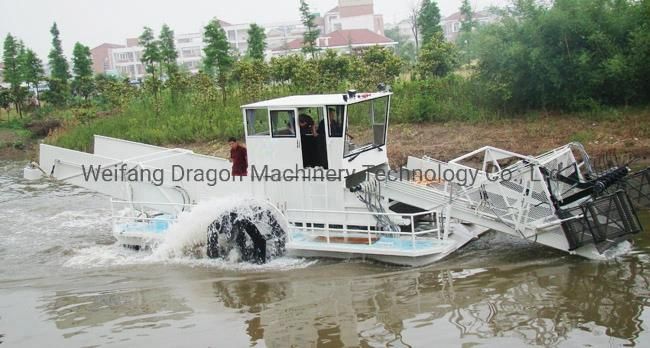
[319, 185]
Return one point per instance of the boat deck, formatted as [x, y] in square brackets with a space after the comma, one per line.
[379, 245]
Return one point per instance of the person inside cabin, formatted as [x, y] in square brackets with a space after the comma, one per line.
[238, 157]
[308, 140]
[336, 129]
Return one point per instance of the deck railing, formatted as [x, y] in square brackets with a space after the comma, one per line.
[330, 225]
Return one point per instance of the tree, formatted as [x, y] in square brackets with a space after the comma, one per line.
[567, 55]
[437, 58]
[466, 27]
[333, 71]
[12, 71]
[32, 69]
[252, 75]
[168, 53]
[151, 53]
[284, 68]
[60, 74]
[5, 100]
[415, 27]
[218, 61]
[310, 37]
[466, 17]
[376, 65]
[256, 42]
[428, 21]
[82, 84]
[151, 58]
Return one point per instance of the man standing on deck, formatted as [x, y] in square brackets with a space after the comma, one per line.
[238, 157]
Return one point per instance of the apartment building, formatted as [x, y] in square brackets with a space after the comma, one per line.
[351, 25]
[352, 22]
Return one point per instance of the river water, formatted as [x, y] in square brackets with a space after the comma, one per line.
[64, 283]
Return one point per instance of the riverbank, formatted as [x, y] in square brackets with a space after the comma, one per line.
[625, 133]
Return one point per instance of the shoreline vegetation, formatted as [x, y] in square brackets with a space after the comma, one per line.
[538, 78]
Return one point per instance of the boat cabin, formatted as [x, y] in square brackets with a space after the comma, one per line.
[334, 131]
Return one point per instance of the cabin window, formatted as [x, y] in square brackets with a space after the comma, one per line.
[335, 120]
[366, 127]
[257, 122]
[283, 124]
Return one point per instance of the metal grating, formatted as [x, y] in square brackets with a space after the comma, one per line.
[605, 221]
[637, 186]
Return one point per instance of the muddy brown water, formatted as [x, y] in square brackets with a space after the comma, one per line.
[64, 283]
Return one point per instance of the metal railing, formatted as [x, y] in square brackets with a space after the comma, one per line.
[139, 215]
[332, 224]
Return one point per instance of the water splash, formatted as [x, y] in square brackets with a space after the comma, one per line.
[184, 243]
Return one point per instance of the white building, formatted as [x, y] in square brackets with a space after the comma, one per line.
[352, 23]
[353, 14]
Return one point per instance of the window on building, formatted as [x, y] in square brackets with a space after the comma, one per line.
[231, 35]
[456, 27]
[124, 57]
[191, 52]
[257, 122]
[283, 124]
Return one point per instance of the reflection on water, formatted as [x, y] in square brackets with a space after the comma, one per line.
[127, 309]
[535, 305]
[497, 291]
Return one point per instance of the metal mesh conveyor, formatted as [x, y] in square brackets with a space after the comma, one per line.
[604, 221]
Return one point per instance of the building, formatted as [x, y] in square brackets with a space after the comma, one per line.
[102, 59]
[353, 14]
[345, 41]
[451, 24]
[352, 24]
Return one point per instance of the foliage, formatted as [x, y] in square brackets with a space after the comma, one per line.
[58, 62]
[218, 61]
[83, 84]
[310, 37]
[467, 17]
[12, 71]
[442, 99]
[5, 99]
[32, 70]
[575, 54]
[167, 51]
[256, 42]
[428, 20]
[151, 50]
[59, 90]
[252, 75]
[376, 65]
[284, 68]
[113, 92]
[437, 58]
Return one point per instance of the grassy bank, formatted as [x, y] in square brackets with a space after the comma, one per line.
[624, 132]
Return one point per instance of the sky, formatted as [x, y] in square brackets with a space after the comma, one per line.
[93, 22]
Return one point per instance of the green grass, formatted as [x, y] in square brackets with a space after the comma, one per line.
[187, 120]
[201, 116]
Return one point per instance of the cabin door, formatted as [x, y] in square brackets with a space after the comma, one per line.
[285, 139]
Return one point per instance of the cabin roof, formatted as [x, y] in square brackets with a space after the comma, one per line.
[312, 100]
